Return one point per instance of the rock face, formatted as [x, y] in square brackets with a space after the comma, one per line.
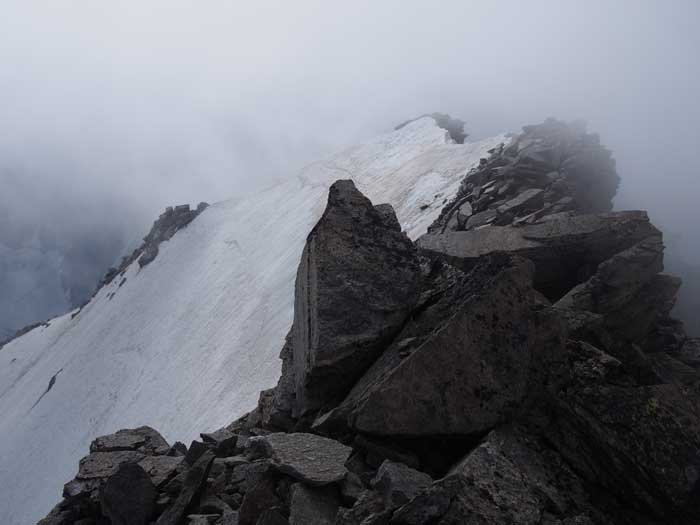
[344, 312]
[519, 364]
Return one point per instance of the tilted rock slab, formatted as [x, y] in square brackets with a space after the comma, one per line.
[565, 248]
[474, 369]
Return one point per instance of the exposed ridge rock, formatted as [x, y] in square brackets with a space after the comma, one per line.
[454, 126]
[356, 284]
[549, 168]
[516, 366]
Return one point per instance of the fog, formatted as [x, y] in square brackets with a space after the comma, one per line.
[112, 110]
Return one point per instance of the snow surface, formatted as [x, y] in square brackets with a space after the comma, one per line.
[186, 343]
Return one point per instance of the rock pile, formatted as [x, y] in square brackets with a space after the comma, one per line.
[550, 168]
[525, 373]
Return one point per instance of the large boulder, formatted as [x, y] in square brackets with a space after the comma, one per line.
[128, 497]
[464, 364]
[640, 442]
[357, 281]
[510, 478]
[566, 248]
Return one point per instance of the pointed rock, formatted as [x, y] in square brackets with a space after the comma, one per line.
[357, 281]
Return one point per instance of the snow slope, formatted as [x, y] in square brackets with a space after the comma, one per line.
[186, 343]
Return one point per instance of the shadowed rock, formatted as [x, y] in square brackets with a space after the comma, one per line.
[128, 497]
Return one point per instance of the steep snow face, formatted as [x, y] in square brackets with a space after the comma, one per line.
[186, 343]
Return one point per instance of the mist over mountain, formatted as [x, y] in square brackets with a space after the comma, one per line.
[111, 113]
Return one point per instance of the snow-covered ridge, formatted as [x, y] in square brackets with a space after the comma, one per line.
[186, 343]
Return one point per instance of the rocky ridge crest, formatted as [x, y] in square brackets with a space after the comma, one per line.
[522, 368]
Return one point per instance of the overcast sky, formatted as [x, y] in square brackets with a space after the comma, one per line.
[110, 111]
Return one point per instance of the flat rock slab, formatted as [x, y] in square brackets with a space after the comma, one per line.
[143, 439]
[313, 459]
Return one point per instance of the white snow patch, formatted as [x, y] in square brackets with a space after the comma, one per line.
[186, 343]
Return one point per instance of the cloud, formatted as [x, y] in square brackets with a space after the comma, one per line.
[112, 111]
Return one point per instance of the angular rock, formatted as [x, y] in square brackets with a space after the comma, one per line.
[271, 517]
[191, 489]
[481, 351]
[566, 249]
[161, 468]
[313, 459]
[639, 442]
[317, 506]
[528, 199]
[509, 478]
[398, 483]
[357, 281]
[618, 279]
[143, 439]
[223, 441]
[480, 219]
[258, 499]
[128, 497]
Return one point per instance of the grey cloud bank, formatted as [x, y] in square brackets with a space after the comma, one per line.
[111, 111]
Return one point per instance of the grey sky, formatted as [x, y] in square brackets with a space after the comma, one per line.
[112, 110]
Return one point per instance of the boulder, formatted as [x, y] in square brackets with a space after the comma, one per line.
[357, 281]
[128, 496]
[474, 356]
[191, 489]
[317, 506]
[640, 442]
[161, 468]
[398, 483]
[618, 279]
[565, 248]
[510, 478]
[313, 459]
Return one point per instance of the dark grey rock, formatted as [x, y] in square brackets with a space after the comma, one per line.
[317, 506]
[271, 517]
[313, 459]
[480, 219]
[161, 468]
[509, 478]
[128, 496]
[259, 498]
[223, 441]
[398, 483]
[191, 489]
[566, 249]
[473, 366]
[531, 198]
[143, 439]
[357, 281]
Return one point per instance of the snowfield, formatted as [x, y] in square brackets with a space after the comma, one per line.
[186, 343]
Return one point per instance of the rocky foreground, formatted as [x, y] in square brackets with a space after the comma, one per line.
[517, 364]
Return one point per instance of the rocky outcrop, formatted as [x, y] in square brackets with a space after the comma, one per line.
[344, 312]
[165, 226]
[518, 364]
[453, 126]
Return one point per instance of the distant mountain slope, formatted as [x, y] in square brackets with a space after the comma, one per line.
[186, 343]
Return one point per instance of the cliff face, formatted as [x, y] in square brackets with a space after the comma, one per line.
[516, 364]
